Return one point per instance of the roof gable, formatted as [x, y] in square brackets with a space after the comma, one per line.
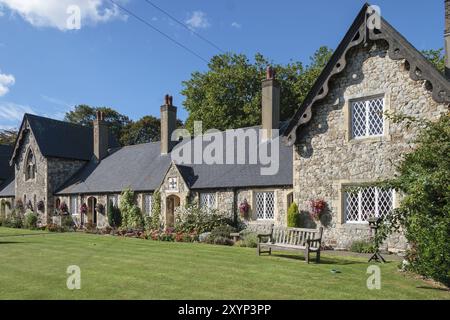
[60, 139]
[361, 31]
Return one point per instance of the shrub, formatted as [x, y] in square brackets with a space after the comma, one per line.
[293, 216]
[362, 247]
[67, 223]
[221, 235]
[131, 214]
[114, 216]
[53, 227]
[424, 212]
[249, 240]
[31, 220]
[194, 218]
[15, 220]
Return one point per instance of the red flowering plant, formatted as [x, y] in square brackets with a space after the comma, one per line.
[244, 207]
[63, 208]
[317, 208]
[84, 208]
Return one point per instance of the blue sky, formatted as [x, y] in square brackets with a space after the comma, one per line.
[115, 60]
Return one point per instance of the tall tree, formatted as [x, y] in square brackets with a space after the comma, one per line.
[228, 95]
[146, 129]
[85, 115]
[8, 137]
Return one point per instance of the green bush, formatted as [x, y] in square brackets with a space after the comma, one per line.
[67, 222]
[114, 216]
[196, 219]
[362, 247]
[154, 222]
[53, 227]
[31, 220]
[293, 216]
[14, 220]
[249, 239]
[424, 212]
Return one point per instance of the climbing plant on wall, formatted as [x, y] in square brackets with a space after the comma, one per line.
[155, 221]
[131, 214]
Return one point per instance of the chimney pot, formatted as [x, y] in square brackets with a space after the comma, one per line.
[168, 124]
[270, 73]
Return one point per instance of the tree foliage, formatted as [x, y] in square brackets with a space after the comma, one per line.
[8, 137]
[228, 95]
[424, 213]
[85, 115]
[146, 129]
[436, 57]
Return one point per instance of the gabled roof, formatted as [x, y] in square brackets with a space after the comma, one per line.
[7, 189]
[362, 30]
[60, 139]
[142, 168]
[6, 171]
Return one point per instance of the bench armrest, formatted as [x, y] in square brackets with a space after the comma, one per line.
[310, 241]
[264, 235]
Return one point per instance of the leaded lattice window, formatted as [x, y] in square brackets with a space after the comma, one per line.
[74, 205]
[367, 118]
[362, 203]
[265, 205]
[208, 200]
[148, 204]
[173, 184]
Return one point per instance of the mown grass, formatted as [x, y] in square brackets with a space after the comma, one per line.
[33, 265]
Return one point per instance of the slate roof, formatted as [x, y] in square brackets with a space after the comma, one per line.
[7, 189]
[142, 168]
[6, 171]
[62, 139]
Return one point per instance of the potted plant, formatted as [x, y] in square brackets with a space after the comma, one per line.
[244, 208]
[317, 208]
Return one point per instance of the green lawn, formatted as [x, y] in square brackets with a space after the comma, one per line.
[34, 267]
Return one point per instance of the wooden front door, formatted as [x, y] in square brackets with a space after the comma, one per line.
[172, 203]
[92, 211]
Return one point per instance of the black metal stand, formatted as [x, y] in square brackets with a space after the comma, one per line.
[373, 224]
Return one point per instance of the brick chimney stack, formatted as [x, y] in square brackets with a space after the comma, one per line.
[447, 39]
[270, 104]
[168, 124]
[101, 137]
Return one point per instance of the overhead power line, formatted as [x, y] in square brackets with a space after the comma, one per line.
[148, 24]
[184, 25]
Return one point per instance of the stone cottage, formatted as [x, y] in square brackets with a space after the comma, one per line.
[338, 142]
[341, 135]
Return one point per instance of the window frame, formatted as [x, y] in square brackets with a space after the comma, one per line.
[76, 213]
[144, 205]
[209, 195]
[169, 184]
[360, 205]
[366, 100]
[265, 214]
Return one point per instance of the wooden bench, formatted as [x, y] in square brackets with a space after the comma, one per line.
[291, 239]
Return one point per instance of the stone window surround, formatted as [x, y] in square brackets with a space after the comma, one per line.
[342, 184]
[275, 199]
[347, 126]
[25, 167]
[216, 202]
[145, 194]
[77, 207]
[169, 188]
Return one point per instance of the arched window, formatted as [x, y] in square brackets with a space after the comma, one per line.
[30, 166]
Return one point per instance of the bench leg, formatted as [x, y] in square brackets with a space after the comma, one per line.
[270, 251]
[259, 250]
[318, 257]
[307, 255]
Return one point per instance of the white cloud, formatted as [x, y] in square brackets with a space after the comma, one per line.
[6, 81]
[12, 112]
[236, 25]
[54, 13]
[198, 20]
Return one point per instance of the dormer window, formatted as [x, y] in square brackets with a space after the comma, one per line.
[30, 166]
